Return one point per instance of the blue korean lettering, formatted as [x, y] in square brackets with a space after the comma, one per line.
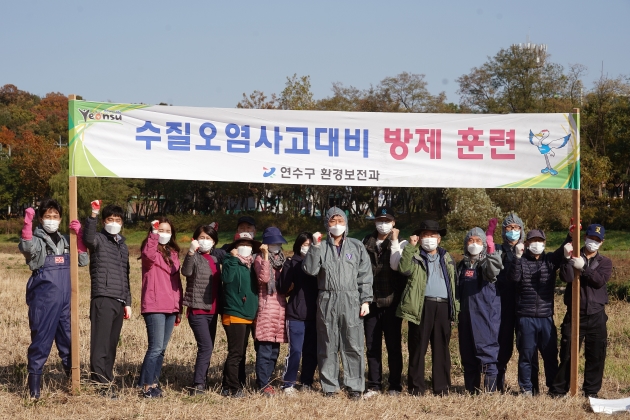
[233, 131]
[263, 140]
[352, 142]
[181, 139]
[148, 139]
[277, 138]
[333, 140]
[207, 137]
[294, 140]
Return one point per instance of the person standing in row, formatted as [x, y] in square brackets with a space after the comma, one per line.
[240, 300]
[270, 328]
[428, 303]
[480, 313]
[300, 314]
[161, 299]
[382, 320]
[344, 279]
[47, 254]
[202, 297]
[111, 294]
[595, 271]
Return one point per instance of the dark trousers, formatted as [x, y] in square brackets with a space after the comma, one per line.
[233, 372]
[379, 322]
[267, 353]
[159, 330]
[507, 332]
[536, 335]
[302, 346]
[106, 318]
[204, 328]
[594, 334]
[434, 328]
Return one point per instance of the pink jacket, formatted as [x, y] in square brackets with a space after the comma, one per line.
[161, 284]
[271, 308]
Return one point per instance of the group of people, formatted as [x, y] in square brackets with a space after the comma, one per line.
[331, 298]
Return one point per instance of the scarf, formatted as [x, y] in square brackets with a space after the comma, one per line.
[247, 261]
[276, 261]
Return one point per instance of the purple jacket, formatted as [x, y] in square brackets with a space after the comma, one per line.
[161, 284]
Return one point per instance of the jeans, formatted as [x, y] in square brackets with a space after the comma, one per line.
[159, 329]
[266, 357]
[204, 328]
[534, 335]
[302, 345]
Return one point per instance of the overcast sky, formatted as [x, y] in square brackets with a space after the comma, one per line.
[207, 53]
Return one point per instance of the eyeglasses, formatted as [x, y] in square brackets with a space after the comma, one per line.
[510, 228]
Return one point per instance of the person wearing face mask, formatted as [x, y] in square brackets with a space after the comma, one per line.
[48, 289]
[595, 271]
[382, 320]
[110, 291]
[344, 280]
[428, 303]
[161, 299]
[240, 304]
[480, 312]
[270, 326]
[300, 314]
[534, 273]
[202, 297]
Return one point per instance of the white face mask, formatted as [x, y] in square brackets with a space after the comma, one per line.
[50, 226]
[112, 228]
[536, 248]
[592, 245]
[384, 227]
[205, 245]
[274, 249]
[429, 244]
[164, 238]
[337, 230]
[244, 250]
[304, 250]
[475, 249]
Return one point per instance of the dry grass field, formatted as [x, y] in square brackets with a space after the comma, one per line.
[178, 366]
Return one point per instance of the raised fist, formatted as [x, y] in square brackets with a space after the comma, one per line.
[96, 206]
[317, 238]
[155, 225]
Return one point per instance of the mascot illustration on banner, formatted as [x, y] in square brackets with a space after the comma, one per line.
[546, 146]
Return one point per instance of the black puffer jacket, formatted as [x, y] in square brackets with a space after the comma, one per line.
[535, 283]
[109, 263]
[199, 281]
[302, 304]
[388, 284]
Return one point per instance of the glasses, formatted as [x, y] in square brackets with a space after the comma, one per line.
[510, 228]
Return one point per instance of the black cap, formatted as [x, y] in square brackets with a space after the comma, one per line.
[246, 219]
[536, 233]
[430, 225]
[386, 212]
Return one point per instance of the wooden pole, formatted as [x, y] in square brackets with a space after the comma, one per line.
[575, 292]
[74, 286]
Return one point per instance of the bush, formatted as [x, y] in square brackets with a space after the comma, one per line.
[469, 207]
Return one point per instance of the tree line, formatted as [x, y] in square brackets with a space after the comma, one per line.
[34, 156]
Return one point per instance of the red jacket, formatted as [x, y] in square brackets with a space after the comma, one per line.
[161, 283]
[271, 308]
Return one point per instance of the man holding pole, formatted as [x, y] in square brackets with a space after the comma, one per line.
[594, 271]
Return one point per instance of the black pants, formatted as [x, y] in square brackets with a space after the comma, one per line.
[234, 367]
[204, 327]
[106, 318]
[594, 334]
[379, 322]
[434, 328]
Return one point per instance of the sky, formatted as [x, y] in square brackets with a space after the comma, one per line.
[208, 53]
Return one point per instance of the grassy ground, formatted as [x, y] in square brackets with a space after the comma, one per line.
[179, 362]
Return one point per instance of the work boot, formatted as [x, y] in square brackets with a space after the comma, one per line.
[34, 385]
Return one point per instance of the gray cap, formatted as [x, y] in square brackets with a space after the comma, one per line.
[536, 233]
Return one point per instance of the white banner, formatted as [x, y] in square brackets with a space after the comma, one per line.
[324, 148]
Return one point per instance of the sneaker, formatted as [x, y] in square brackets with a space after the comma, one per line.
[238, 394]
[268, 391]
[109, 393]
[329, 394]
[393, 393]
[307, 388]
[290, 391]
[354, 395]
[225, 392]
[371, 393]
[157, 391]
[527, 394]
[151, 393]
[587, 395]
[199, 389]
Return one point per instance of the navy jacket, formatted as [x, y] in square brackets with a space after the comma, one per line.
[302, 305]
[593, 279]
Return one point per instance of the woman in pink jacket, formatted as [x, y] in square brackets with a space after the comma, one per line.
[270, 328]
[161, 303]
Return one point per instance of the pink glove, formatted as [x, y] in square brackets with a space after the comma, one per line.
[27, 230]
[492, 225]
[75, 226]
